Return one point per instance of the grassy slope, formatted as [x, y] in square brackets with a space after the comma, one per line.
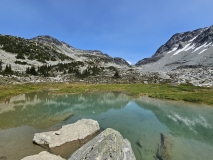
[164, 91]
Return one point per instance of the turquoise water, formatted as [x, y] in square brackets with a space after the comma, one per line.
[187, 127]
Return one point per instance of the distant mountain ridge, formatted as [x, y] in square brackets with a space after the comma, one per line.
[192, 48]
[185, 58]
[182, 50]
[48, 50]
[76, 54]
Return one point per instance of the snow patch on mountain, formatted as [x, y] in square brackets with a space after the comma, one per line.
[183, 49]
[174, 49]
[202, 51]
[199, 48]
[190, 47]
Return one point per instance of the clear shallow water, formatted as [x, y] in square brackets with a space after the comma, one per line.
[188, 127]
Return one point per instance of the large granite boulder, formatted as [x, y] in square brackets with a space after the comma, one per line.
[107, 145]
[43, 156]
[68, 133]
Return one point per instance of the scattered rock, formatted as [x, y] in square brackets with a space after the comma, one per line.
[68, 133]
[139, 142]
[43, 156]
[145, 82]
[107, 145]
[198, 76]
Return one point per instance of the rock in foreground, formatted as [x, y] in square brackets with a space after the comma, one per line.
[43, 156]
[107, 145]
[68, 133]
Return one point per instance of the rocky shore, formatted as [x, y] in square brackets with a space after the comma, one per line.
[200, 76]
[124, 75]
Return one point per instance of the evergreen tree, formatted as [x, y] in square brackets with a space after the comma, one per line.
[70, 70]
[77, 73]
[0, 66]
[38, 69]
[8, 70]
[28, 70]
[95, 70]
[33, 70]
[44, 70]
[116, 75]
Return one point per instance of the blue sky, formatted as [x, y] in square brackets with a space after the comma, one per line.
[132, 29]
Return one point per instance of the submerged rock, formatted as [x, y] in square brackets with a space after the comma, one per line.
[164, 150]
[43, 156]
[68, 133]
[139, 142]
[107, 145]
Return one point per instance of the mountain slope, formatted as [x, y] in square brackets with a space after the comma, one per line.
[182, 50]
[77, 54]
[21, 53]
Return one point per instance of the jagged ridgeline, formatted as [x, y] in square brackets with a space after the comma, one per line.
[192, 49]
[28, 49]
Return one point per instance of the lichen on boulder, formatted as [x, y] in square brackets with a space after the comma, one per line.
[107, 145]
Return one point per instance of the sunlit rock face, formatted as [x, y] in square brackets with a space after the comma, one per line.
[68, 133]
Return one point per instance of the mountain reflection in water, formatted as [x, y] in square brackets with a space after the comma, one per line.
[186, 128]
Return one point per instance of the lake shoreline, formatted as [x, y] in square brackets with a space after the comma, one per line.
[183, 92]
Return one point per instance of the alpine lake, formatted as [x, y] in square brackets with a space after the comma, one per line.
[184, 129]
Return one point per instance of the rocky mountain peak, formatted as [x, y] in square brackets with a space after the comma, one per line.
[205, 37]
[66, 44]
[186, 42]
[120, 61]
[178, 39]
[47, 39]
